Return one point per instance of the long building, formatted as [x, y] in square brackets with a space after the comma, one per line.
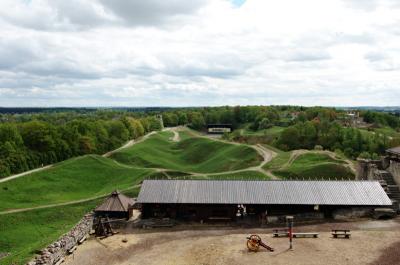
[212, 199]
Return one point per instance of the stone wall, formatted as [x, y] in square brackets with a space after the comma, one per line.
[394, 169]
[350, 213]
[367, 169]
[57, 250]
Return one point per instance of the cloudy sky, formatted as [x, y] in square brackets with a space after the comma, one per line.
[199, 52]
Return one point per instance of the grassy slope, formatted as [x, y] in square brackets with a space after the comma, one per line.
[191, 154]
[21, 234]
[381, 131]
[248, 174]
[273, 131]
[309, 165]
[245, 175]
[73, 179]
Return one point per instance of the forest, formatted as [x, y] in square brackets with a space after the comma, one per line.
[30, 140]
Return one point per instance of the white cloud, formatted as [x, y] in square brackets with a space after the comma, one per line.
[202, 52]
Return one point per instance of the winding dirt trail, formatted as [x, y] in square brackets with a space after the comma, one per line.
[175, 131]
[62, 203]
[130, 143]
[25, 173]
[296, 153]
[265, 153]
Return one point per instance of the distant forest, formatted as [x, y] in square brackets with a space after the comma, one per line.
[31, 138]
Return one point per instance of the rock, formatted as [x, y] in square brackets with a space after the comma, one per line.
[58, 250]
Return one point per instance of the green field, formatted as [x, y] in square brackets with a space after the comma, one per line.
[245, 175]
[273, 131]
[23, 234]
[387, 131]
[308, 166]
[74, 179]
[191, 154]
[91, 176]
[279, 161]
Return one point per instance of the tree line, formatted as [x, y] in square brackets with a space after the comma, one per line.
[305, 128]
[31, 141]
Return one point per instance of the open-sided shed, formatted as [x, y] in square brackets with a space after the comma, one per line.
[201, 199]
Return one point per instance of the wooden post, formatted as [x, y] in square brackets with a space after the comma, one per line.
[289, 220]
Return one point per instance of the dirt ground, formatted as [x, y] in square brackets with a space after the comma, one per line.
[372, 242]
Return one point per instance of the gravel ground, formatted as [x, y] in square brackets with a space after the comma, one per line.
[372, 242]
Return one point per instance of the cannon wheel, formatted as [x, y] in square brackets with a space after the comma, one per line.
[253, 243]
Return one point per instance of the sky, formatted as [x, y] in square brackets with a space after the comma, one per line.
[199, 53]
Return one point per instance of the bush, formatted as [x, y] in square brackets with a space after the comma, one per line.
[318, 147]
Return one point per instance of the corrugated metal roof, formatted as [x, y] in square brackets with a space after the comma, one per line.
[263, 192]
[116, 202]
[394, 150]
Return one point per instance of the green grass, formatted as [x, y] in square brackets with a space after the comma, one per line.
[314, 166]
[191, 154]
[22, 234]
[273, 131]
[279, 161]
[245, 175]
[74, 179]
[387, 131]
[273, 148]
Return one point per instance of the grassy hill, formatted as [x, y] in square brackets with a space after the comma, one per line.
[243, 175]
[191, 154]
[22, 234]
[74, 179]
[309, 165]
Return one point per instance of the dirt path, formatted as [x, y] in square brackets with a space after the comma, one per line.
[62, 203]
[130, 143]
[264, 152]
[227, 246]
[175, 131]
[126, 145]
[25, 173]
[296, 153]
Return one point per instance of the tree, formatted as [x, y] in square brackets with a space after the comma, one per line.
[289, 138]
[86, 145]
[38, 136]
[264, 124]
[197, 121]
[9, 133]
[182, 118]
[118, 130]
[138, 129]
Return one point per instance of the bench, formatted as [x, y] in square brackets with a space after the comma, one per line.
[280, 232]
[344, 233]
[305, 235]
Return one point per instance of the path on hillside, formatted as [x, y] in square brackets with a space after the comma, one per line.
[175, 131]
[126, 145]
[264, 152]
[296, 153]
[63, 203]
[25, 173]
[130, 143]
